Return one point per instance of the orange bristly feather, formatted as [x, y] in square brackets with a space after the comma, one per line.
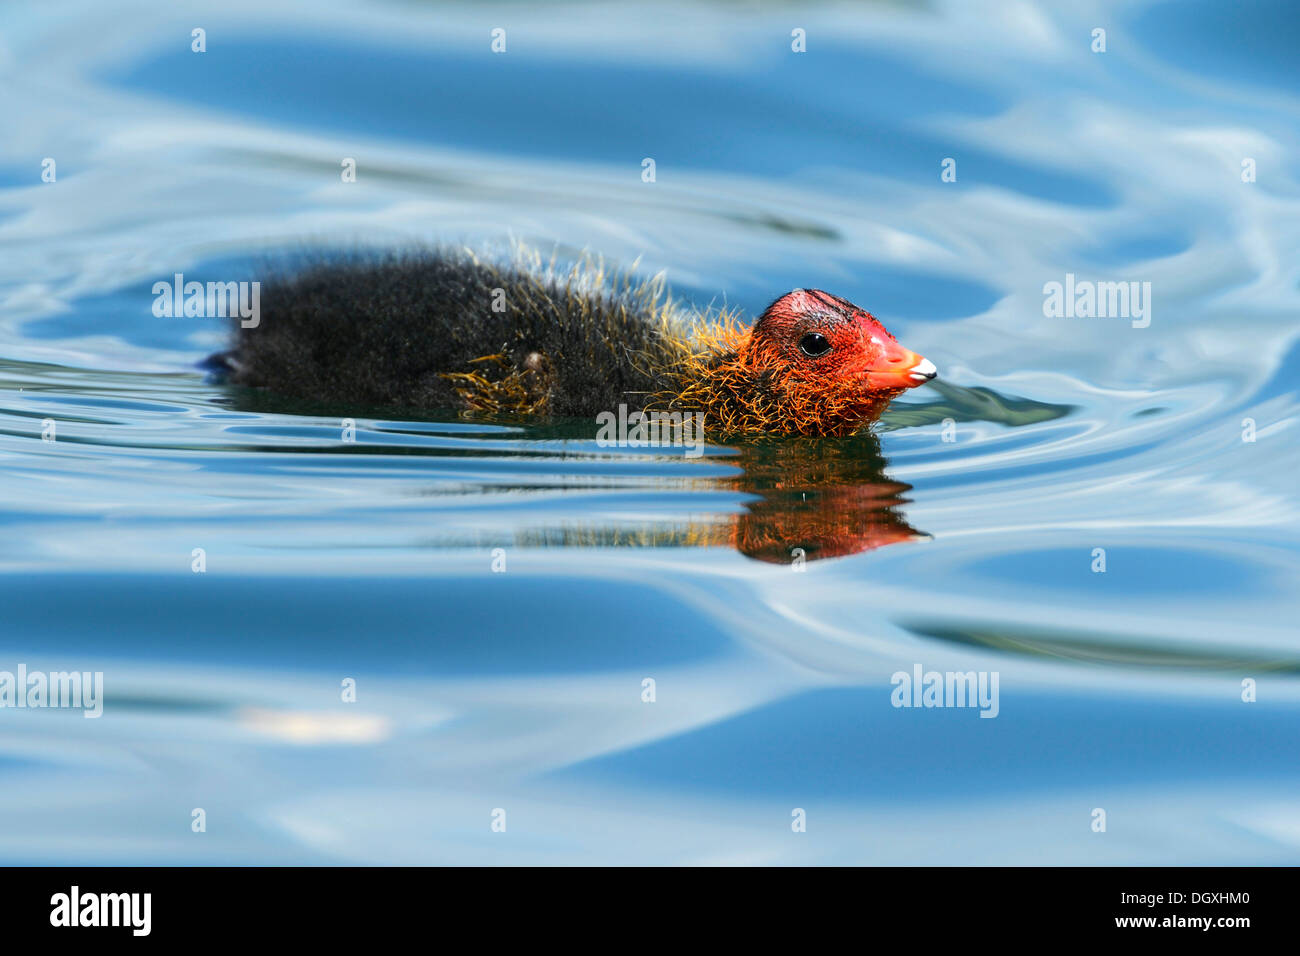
[740, 389]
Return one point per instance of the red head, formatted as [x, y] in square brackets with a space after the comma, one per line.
[813, 364]
[820, 337]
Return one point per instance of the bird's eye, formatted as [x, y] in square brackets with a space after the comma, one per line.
[814, 344]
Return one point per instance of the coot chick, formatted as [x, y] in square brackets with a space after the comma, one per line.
[443, 328]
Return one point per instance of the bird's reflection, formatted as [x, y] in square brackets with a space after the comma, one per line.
[818, 498]
[813, 498]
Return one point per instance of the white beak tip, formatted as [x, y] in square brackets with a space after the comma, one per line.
[923, 371]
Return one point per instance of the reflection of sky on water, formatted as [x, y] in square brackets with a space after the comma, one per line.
[522, 689]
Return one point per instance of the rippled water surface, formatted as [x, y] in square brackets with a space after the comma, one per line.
[769, 589]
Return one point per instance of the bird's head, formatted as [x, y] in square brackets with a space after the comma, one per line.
[820, 337]
[831, 358]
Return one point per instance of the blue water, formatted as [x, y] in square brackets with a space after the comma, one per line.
[963, 538]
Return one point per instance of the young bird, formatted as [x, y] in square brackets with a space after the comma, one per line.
[441, 329]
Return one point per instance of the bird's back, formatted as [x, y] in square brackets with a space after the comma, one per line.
[443, 329]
